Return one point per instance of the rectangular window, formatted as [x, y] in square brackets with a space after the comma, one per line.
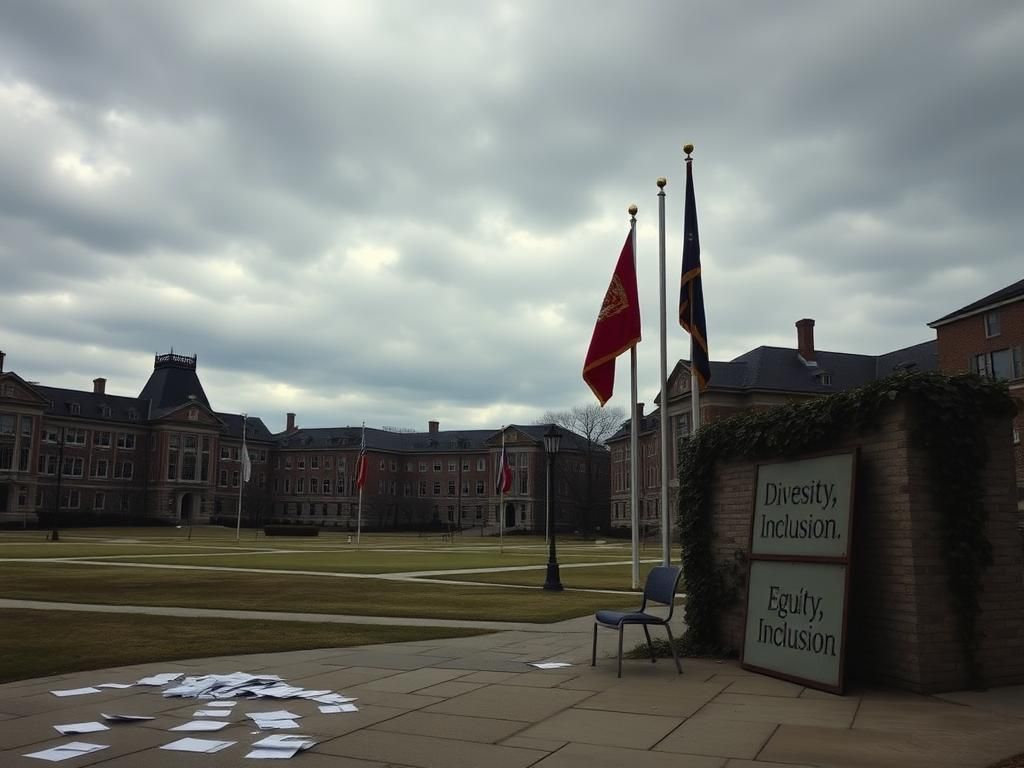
[287, 462]
[394, 465]
[75, 437]
[451, 487]
[6, 456]
[479, 487]
[126, 440]
[327, 462]
[6, 424]
[392, 487]
[314, 485]
[234, 479]
[465, 465]
[300, 485]
[314, 462]
[99, 468]
[99, 501]
[437, 466]
[437, 487]
[72, 467]
[71, 500]
[327, 487]
[287, 485]
[101, 439]
[300, 463]
[423, 466]
[380, 487]
[992, 324]
[423, 488]
[222, 478]
[382, 465]
[453, 466]
[481, 464]
[465, 487]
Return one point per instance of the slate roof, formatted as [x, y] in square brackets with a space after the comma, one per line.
[91, 404]
[570, 440]
[255, 429]
[383, 439]
[173, 383]
[781, 370]
[1009, 293]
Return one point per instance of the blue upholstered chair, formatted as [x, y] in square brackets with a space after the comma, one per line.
[660, 588]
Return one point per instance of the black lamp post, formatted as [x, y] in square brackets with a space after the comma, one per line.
[551, 440]
[55, 534]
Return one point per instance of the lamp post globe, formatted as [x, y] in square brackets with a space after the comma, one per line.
[552, 439]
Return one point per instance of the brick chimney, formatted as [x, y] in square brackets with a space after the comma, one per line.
[2, 356]
[639, 410]
[805, 340]
[433, 427]
[99, 386]
[291, 422]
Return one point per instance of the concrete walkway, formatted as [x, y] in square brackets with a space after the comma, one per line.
[470, 702]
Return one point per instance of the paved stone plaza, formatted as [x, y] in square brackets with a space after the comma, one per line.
[469, 702]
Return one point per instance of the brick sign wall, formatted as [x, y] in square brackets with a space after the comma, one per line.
[901, 630]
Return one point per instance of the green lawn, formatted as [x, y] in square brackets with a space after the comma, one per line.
[592, 577]
[39, 643]
[79, 583]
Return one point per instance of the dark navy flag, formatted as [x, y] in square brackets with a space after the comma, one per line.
[691, 293]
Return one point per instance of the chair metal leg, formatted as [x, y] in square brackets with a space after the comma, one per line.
[650, 646]
[593, 654]
[672, 645]
[620, 650]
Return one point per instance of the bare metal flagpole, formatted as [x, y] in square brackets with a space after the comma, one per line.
[501, 495]
[666, 554]
[634, 437]
[241, 485]
[361, 469]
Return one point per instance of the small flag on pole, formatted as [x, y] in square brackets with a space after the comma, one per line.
[691, 292]
[246, 463]
[361, 462]
[503, 481]
[617, 327]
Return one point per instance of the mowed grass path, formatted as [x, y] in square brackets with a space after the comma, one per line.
[269, 591]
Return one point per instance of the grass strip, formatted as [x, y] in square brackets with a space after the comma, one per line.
[39, 643]
[591, 577]
[269, 591]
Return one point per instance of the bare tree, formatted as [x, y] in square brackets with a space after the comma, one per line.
[595, 424]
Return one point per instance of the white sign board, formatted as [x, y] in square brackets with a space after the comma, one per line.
[795, 615]
[803, 507]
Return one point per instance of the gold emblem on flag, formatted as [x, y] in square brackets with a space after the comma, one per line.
[615, 300]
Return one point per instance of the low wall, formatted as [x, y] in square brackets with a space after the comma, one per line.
[901, 625]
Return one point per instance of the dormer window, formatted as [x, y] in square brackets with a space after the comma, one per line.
[105, 411]
[992, 325]
[133, 415]
[74, 408]
[824, 379]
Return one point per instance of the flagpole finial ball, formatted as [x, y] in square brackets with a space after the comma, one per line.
[661, 182]
[632, 209]
[688, 149]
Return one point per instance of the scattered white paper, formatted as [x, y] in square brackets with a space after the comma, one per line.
[125, 718]
[280, 747]
[280, 714]
[210, 713]
[331, 709]
[222, 704]
[115, 685]
[334, 698]
[267, 725]
[70, 728]
[161, 679]
[206, 746]
[550, 664]
[75, 692]
[66, 751]
[201, 725]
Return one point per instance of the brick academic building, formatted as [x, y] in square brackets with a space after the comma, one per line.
[985, 337]
[167, 456]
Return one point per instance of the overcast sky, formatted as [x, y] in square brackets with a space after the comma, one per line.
[401, 211]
